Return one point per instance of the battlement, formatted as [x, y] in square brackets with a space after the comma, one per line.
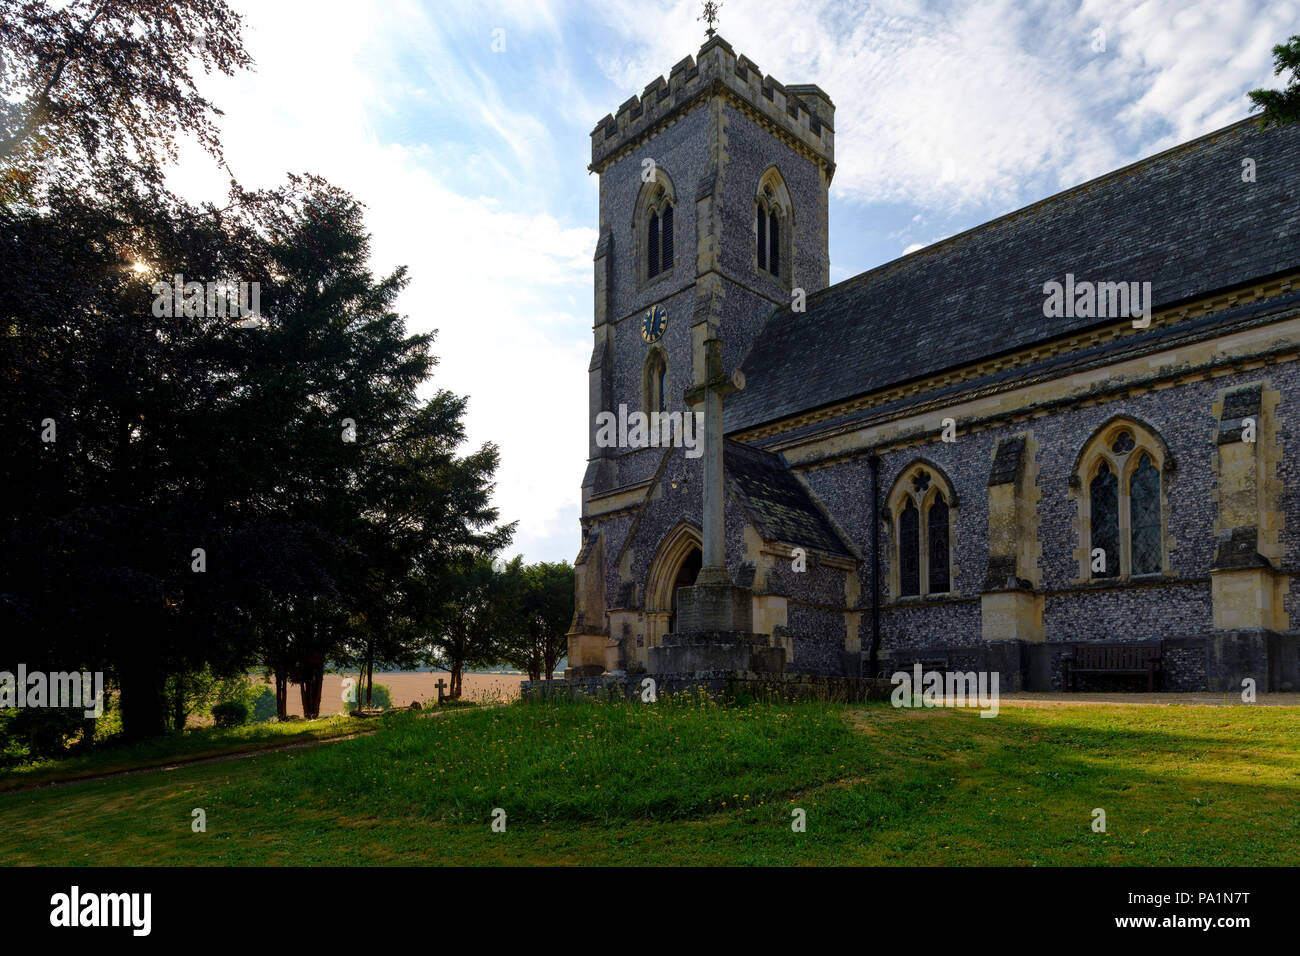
[803, 112]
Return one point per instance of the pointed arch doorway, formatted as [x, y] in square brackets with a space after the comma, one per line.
[676, 565]
[686, 575]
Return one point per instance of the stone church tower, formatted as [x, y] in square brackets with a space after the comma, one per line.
[713, 212]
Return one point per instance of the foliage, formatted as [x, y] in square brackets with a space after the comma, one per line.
[263, 708]
[545, 611]
[93, 78]
[1281, 106]
[146, 443]
[381, 699]
[230, 713]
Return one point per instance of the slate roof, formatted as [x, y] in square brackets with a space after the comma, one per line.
[780, 506]
[1182, 219]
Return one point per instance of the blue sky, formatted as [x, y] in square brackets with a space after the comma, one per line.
[472, 160]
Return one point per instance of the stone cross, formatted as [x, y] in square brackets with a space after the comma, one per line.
[440, 685]
[713, 568]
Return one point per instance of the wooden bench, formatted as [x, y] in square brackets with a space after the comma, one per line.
[1113, 659]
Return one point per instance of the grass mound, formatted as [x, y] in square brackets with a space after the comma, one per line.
[577, 761]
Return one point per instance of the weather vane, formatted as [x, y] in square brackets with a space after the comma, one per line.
[710, 15]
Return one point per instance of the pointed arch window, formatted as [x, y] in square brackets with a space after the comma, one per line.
[1144, 505]
[1122, 505]
[909, 549]
[772, 227]
[659, 237]
[655, 383]
[1104, 491]
[937, 522]
[656, 228]
[921, 505]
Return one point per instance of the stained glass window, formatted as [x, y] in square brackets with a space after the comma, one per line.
[1123, 443]
[1105, 521]
[938, 526]
[1144, 510]
[762, 238]
[909, 549]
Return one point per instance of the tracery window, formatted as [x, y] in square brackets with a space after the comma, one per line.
[921, 506]
[773, 220]
[654, 223]
[1120, 471]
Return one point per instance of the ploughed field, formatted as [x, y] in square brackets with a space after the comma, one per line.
[693, 782]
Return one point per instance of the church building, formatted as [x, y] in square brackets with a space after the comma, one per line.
[1057, 445]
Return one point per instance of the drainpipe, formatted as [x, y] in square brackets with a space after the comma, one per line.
[872, 660]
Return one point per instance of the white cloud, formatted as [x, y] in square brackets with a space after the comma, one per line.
[507, 289]
[952, 106]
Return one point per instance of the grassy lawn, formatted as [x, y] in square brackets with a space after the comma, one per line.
[194, 744]
[694, 783]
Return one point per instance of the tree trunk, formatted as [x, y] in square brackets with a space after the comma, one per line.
[312, 683]
[370, 673]
[178, 705]
[140, 696]
[281, 695]
[454, 692]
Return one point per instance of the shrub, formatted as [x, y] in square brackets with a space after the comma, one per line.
[380, 698]
[264, 706]
[230, 713]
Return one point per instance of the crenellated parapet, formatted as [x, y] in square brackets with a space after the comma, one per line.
[802, 114]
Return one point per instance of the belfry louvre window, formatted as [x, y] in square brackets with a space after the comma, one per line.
[659, 241]
[921, 507]
[654, 227]
[768, 228]
[1122, 501]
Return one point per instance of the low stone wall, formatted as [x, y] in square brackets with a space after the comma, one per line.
[1217, 661]
[737, 686]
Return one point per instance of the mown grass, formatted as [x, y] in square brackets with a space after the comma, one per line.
[687, 783]
[196, 743]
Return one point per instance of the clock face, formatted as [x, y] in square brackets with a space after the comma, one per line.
[653, 323]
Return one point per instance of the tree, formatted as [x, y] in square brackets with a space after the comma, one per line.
[217, 493]
[467, 607]
[95, 78]
[538, 640]
[1281, 106]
